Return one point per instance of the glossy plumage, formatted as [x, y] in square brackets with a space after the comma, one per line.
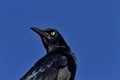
[58, 64]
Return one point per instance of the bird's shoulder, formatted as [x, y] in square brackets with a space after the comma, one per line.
[46, 67]
[52, 60]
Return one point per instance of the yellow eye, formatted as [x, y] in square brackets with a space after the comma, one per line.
[52, 33]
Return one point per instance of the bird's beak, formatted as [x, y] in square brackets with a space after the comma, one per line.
[40, 32]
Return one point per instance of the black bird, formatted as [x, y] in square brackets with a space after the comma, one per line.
[58, 64]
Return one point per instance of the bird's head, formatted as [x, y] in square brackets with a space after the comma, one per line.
[51, 38]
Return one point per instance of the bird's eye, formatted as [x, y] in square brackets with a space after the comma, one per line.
[53, 33]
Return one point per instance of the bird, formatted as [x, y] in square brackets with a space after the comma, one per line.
[59, 63]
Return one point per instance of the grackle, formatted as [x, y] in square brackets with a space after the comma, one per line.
[58, 64]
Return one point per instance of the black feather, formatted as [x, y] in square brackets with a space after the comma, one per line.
[58, 60]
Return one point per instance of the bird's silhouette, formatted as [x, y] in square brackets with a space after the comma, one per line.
[58, 64]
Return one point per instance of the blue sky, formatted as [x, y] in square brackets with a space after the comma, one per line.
[90, 27]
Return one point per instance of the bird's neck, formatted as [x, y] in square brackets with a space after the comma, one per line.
[58, 49]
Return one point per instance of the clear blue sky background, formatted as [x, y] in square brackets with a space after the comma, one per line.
[90, 27]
